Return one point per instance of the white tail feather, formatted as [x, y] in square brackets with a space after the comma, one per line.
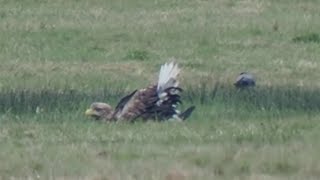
[168, 76]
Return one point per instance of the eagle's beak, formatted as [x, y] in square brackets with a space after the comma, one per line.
[90, 112]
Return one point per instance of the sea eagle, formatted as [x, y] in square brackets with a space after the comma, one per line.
[155, 102]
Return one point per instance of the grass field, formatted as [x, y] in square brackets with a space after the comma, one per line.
[56, 57]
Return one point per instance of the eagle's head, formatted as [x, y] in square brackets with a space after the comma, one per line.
[100, 111]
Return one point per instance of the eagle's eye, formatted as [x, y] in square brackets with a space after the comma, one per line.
[98, 109]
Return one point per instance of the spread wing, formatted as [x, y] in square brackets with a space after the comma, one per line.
[156, 101]
[146, 104]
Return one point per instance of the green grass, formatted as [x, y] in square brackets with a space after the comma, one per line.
[56, 57]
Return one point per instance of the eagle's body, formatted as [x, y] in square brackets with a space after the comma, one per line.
[155, 102]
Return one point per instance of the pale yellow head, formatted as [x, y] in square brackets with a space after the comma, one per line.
[100, 111]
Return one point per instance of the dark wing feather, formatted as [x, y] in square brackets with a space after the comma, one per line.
[124, 101]
[184, 115]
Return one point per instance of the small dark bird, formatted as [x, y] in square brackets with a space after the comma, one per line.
[245, 80]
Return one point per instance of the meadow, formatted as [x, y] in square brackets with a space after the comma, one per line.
[56, 57]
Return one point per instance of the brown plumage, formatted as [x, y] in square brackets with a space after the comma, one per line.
[155, 102]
